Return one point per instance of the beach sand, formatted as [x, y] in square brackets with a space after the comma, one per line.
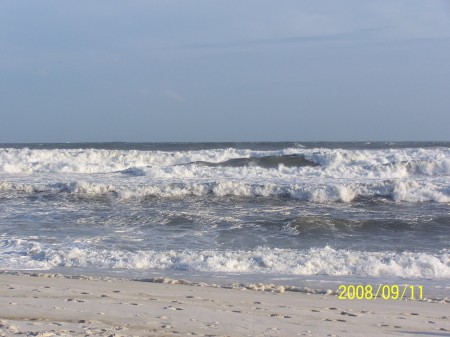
[44, 305]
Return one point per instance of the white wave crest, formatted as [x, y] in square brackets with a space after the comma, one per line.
[324, 192]
[106, 161]
[22, 254]
[336, 163]
[411, 175]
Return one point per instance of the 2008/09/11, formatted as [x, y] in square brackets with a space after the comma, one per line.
[386, 292]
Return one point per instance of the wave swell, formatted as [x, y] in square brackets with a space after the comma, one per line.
[291, 160]
[395, 191]
[318, 175]
[329, 162]
[23, 254]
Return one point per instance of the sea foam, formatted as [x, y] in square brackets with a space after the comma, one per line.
[331, 162]
[24, 254]
[321, 192]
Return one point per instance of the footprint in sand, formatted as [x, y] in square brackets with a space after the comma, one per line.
[173, 308]
[280, 316]
[212, 325]
[74, 300]
[348, 314]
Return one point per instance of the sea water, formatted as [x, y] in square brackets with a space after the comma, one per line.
[317, 214]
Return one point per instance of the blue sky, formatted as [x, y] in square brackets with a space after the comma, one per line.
[224, 70]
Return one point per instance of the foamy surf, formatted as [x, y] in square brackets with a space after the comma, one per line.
[334, 210]
[315, 261]
[322, 192]
[339, 163]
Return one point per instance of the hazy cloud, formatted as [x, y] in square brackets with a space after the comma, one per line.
[173, 95]
[249, 70]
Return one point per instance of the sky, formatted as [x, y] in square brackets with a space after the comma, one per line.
[187, 71]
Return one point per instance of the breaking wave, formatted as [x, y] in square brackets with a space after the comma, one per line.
[105, 161]
[398, 163]
[410, 191]
[291, 160]
[318, 175]
[23, 254]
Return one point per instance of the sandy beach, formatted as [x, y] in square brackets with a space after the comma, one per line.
[45, 305]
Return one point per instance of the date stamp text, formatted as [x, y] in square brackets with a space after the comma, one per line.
[382, 291]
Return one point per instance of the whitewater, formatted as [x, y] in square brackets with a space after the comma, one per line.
[234, 210]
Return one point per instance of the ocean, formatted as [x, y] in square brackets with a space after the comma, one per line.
[314, 214]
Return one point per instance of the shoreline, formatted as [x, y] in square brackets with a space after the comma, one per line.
[44, 304]
[245, 284]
